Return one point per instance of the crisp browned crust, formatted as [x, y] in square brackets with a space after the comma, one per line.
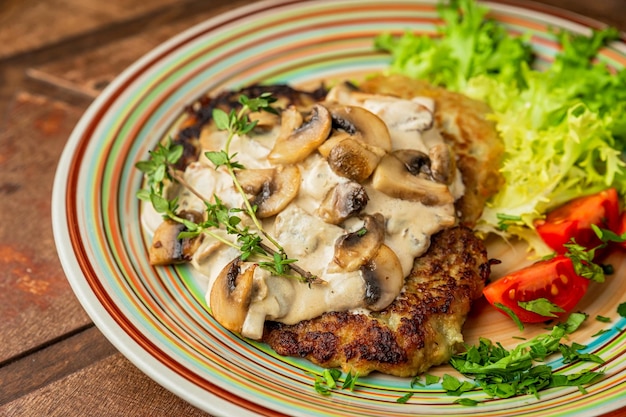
[463, 123]
[421, 328]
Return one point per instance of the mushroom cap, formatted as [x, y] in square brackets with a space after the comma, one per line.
[443, 165]
[351, 158]
[167, 248]
[231, 294]
[415, 161]
[361, 124]
[253, 180]
[342, 201]
[271, 189]
[393, 178]
[296, 141]
[354, 249]
[383, 278]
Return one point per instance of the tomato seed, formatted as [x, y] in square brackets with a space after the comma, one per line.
[564, 278]
[554, 290]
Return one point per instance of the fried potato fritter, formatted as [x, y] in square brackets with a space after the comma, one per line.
[421, 328]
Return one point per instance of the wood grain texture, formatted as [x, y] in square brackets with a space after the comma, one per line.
[89, 72]
[36, 301]
[33, 24]
[609, 12]
[110, 387]
[53, 362]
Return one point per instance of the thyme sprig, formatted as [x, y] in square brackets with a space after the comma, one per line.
[238, 123]
[160, 170]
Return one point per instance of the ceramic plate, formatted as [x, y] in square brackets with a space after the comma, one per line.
[157, 317]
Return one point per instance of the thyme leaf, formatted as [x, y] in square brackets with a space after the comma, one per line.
[159, 171]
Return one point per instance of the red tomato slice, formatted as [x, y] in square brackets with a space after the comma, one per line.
[553, 279]
[574, 220]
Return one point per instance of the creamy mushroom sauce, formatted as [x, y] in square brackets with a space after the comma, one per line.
[408, 224]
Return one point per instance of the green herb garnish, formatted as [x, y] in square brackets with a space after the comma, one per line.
[325, 383]
[467, 402]
[431, 379]
[600, 332]
[406, 397]
[511, 314]
[159, 171]
[350, 381]
[541, 306]
[507, 220]
[505, 373]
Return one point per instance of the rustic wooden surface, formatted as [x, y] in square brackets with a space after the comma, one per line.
[55, 57]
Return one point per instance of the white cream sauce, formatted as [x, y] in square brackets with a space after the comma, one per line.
[408, 224]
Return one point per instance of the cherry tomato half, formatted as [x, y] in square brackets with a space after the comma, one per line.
[553, 279]
[574, 220]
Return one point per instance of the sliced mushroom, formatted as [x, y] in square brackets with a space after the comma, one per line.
[167, 248]
[344, 92]
[362, 125]
[400, 114]
[394, 179]
[336, 137]
[416, 162]
[352, 159]
[354, 249]
[254, 180]
[296, 141]
[231, 294]
[383, 278]
[397, 113]
[264, 119]
[443, 166]
[270, 189]
[342, 201]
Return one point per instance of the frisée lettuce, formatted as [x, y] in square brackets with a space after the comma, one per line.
[563, 126]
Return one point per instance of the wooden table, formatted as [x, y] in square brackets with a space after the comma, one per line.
[55, 57]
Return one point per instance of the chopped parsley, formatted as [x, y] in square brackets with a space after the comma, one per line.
[325, 383]
[506, 373]
[603, 319]
[511, 314]
[406, 397]
[541, 306]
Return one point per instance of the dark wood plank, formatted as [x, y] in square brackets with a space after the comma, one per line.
[109, 387]
[31, 24]
[89, 72]
[610, 12]
[52, 363]
[36, 301]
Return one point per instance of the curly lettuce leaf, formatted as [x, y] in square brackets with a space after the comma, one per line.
[549, 166]
[468, 44]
